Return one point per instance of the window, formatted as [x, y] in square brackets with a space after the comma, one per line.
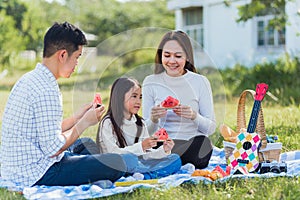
[193, 23]
[268, 36]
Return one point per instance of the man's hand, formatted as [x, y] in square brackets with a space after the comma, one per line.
[93, 115]
[79, 114]
[90, 117]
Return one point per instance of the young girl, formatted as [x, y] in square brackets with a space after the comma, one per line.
[123, 131]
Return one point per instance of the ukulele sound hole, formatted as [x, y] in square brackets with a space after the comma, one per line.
[247, 145]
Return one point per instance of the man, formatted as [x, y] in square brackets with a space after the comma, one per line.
[34, 136]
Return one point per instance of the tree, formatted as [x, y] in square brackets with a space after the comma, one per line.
[106, 18]
[34, 25]
[16, 9]
[24, 22]
[263, 7]
[10, 40]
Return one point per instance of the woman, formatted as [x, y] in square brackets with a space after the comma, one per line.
[191, 122]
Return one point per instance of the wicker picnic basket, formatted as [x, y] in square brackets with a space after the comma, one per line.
[268, 151]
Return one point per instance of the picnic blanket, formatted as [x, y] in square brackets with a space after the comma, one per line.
[106, 188]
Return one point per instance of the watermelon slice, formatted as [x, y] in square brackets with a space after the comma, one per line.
[97, 100]
[161, 134]
[170, 102]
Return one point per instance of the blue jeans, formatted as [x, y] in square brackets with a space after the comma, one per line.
[84, 146]
[82, 164]
[76, 169]
[158, 168]
[151, 168]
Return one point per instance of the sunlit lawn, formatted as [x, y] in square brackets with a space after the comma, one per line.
[281, 121]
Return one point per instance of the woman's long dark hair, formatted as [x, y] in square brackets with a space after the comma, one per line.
[115, 111]
[184, 41]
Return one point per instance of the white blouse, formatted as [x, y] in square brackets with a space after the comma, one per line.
[190, 89]
[109, 143]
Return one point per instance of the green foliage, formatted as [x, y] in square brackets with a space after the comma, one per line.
[32, 28]
[11, 17]
[25, 25]
[16, 10]
[281, 76]
[114, 17]
[10, 40]
[138, 57]
[263, 7]
[250, 10]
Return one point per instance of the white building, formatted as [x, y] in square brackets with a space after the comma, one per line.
[213, 25]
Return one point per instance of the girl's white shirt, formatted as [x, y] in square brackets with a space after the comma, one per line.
[109, 143]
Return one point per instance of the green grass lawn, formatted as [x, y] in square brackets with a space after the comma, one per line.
[281, 121]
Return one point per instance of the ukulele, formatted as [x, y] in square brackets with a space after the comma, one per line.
[245, 153]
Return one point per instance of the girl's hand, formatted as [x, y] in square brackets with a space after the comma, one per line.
[185, 111]
[148, 143]
[168, 145]
[157, 112]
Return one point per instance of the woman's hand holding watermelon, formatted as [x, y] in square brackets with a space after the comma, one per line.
[157, 112]
[185, 111]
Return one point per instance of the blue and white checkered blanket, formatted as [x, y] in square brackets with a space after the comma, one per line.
[106, 188]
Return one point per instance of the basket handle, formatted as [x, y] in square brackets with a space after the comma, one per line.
[241, 120]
